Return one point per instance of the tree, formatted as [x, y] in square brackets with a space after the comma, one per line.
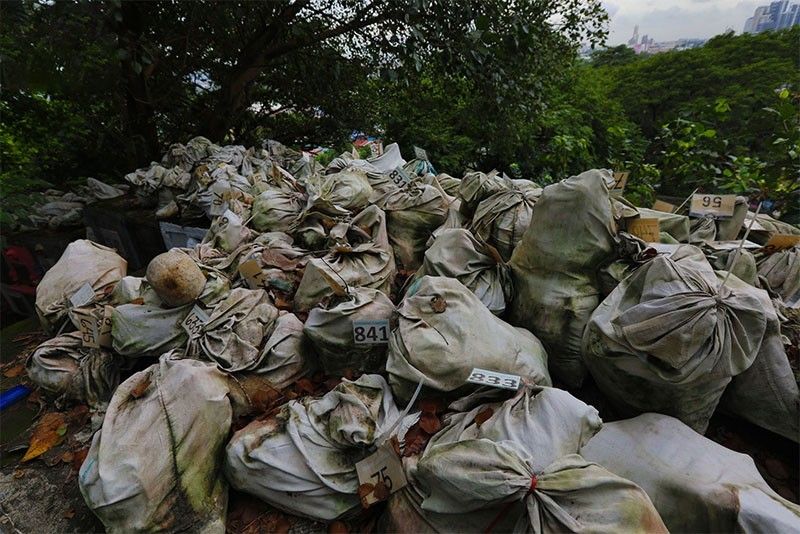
[614, 56]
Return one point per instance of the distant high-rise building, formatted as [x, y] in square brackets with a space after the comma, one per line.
[775, 16]
[633, 41]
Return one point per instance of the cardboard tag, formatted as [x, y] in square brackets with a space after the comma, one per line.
[87, 325]
[712, 206]
[781, 242]
[645, 229]
[371, 332]
[399, 177]
[219, 202]
[666, 207]
[194, 322]
[382, 466]
[620, 179]
[104, 334]
[420, 153]
[376, 149]
[731, 245]
[494, 379]
[82, 296]
[252, 273]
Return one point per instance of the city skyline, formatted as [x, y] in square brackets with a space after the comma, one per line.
[671, 20]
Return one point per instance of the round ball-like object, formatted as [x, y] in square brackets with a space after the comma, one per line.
[175, 277]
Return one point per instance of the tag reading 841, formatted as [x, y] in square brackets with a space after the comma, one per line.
[367, 332]
[494, 379]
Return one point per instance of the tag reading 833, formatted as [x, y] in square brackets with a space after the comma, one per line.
[494, 379]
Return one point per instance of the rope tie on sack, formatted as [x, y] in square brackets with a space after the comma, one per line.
[500, 515]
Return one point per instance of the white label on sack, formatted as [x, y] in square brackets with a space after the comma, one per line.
[219, 202]
[370, 332]
[194, 322]
[420, 153]
[712, 206]
[495, 379]
[399, 176]
[732, 245]
[83, 296]
[87, 325]
[376, 149]
[382, 466]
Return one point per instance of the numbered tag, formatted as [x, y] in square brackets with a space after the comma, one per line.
[666, 207]
[492, 378]
[82, 296]
[252, 273]
[104, 335]
[87, 326]
[219, 200]
[645, 229]
[376, 149]
[399, 177]
[781, 242]
[371, 332]
[420, 153]
[194, 322]
[620, 179]
[712, 206]
[382, 466]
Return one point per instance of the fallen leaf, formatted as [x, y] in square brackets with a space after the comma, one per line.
[381, 492]
[395, 443]
[430, 405]
[67, 457]
[78, 457]
[69, 514]
[483, 416]
[19, 473]
[363, 491]
[415, 440]
[140, 388]
[14, 371]
[276, 259]
[304, 385]
[438, 304]
[338, 527]
[47, 434]
[429, 423]
[139, 300]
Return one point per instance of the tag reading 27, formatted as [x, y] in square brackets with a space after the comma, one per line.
[494, 379]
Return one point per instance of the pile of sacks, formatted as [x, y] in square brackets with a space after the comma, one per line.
[55, 209]
[387, 285]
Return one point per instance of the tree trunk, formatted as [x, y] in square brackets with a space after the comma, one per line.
[140, 124]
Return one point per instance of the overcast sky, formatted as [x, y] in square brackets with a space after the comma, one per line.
[667, 20]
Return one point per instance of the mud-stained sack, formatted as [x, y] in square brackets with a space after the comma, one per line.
[302, 459]
[554, 268]
[502, 218]
[458, 254]
[412, 214]
[360, 256]
[477, 186]
[155, 465]
[83, 262]
[145, 330]
[781, 270]
[287, 355]
[341, 344]
[236, 329]
[339, 193]
[64, 367]
[276, 211]
[444, 331]
[568, 495]
[670, 337]
[695, 484]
